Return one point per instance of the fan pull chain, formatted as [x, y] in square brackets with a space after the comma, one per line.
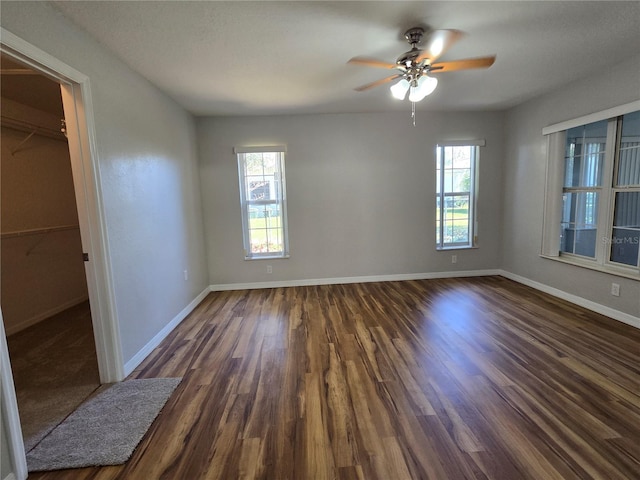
[413, 113]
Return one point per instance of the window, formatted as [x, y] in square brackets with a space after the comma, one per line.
[584, 160]
[598, 216]
[625, 236]
[455, 194]
[263, 201]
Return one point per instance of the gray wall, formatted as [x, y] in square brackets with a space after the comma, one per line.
[524, 180]
[147, 159]
[360, 192]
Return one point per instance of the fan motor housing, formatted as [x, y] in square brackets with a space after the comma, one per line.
[414, 36]
[407, 59]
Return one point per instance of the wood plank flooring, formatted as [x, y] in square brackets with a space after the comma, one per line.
[477, 378]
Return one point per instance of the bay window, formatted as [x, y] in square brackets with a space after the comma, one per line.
[592, 204]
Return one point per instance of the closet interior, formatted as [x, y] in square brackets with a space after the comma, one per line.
[43, 287]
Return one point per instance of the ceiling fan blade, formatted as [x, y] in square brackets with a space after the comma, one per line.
[371, 62]
[469, 63]
[382, 81]
[439, 42]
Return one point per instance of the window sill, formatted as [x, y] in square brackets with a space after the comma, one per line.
[463, 247]
[611, 270]
[270, 257]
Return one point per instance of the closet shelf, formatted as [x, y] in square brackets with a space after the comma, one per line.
[38, 231]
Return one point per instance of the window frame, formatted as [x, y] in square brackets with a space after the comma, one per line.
[472, 193]
[600, 190]
[555, 189]
[616, 188]
[280, 201]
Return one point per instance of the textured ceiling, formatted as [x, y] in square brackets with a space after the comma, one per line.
[250, 58]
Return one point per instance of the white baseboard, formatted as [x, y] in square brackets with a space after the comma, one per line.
[131, 365]
[582, 302]
[17, 327]
[342, 280]
[137, 359]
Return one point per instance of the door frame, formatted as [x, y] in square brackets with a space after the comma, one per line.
[78, 110]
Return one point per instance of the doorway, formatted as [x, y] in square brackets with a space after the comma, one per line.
[76, 99]
[44, 294]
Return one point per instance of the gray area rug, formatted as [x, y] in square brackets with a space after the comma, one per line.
[105, 429]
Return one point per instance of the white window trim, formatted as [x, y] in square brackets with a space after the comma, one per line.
[556, 138]
[243, 202]
[593, 117]
[473, 194]
[258, 149]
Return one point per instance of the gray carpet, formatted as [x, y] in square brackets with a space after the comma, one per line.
[105, 429]
[54, 370]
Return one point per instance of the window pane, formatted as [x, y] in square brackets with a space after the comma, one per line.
[631, 127]
[448, 155]
[593, 135]
[627, 213]
[259, 188]
[438, 240]
[580, 208]
[253, 162]
[579, 222]
[448, 181]
[461, 180]
[629, 156]
[584, 171]
[270, 162]
[629, 166]
[626, 232]
[456, 219]
[265, 229]
[596, 132]
[624, 248]
[584, 155]
[438, 169]
[461, 157]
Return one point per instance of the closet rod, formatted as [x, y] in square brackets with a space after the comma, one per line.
[31, 128]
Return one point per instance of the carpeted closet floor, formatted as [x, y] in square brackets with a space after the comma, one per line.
[54, 369]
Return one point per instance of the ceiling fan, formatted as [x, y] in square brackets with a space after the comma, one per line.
[414, 66]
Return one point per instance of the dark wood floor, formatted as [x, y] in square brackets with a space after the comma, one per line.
[476, 378]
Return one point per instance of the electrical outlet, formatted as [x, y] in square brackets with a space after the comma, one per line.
[186, 275]
[269, 269]
[454, 259]
[615, 289]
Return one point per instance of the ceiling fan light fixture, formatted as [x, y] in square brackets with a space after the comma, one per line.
[400, 89]
[412, 67]
[425, 86]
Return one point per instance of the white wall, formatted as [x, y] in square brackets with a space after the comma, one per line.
[361, 193]
[524, 181]
[148, 167]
